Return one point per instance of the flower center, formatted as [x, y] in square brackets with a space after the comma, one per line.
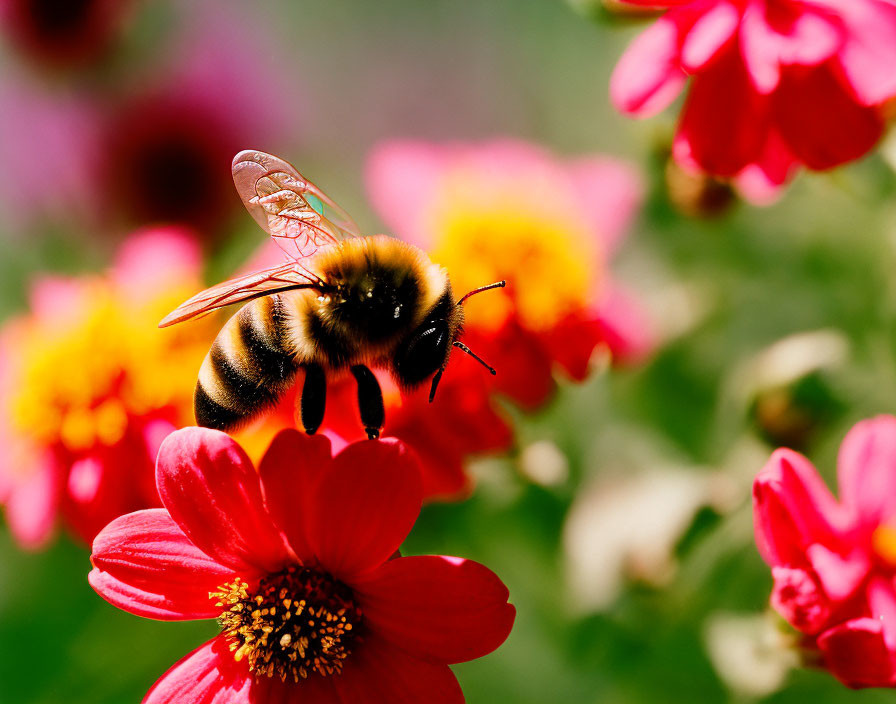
[297, 622]
[883, 542]
[549, 260]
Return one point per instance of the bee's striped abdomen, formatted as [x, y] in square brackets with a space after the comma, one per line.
[247, 368]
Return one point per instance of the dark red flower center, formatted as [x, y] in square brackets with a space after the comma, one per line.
[296, 622]
[58, 18]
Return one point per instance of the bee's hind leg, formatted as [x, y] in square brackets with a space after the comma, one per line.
[370, 401]
[314, 398]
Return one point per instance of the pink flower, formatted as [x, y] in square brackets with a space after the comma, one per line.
[298, 562]
[510, 210]
[168, 146]
[834, 562]
[776, 83]
[52, 137]
[89, 387]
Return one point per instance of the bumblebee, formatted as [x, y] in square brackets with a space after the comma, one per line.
[339, 301]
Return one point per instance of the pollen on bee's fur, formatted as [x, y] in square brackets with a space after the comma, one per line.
[295, 623]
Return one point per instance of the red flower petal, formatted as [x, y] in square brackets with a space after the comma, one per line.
[378, 673]
[289, 472]
[523, 363]
[792, 509]
[866, 470]
[144, 564]
[820, 121]
[208, 675]
[210, 487]
[364, 506]
[724, 124]
[313, 690]
[438, 608]
[855, 653]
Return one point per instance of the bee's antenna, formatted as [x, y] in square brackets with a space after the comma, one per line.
[463, 348]
[435, 383]
[498, 284]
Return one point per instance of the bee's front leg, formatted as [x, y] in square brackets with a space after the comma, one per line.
[370, 401]
[314, 398]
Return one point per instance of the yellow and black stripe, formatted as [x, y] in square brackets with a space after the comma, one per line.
[247, 368]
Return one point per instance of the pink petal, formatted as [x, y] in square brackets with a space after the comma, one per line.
[610, 192]
[855, 653]
[626, 327]
[402, 178]
[364, 506]
[289, 472]
[648, 77]
[212, 491]
[799, 599]
[143, 563]
[208, 675]
[32, 503]
[710, 33]
[443, 609]
[866, 470]
[792, 508]
[379, 673]
[840, 576]
[821, 123]
[155, 258]
[882, 600]
[869, 52]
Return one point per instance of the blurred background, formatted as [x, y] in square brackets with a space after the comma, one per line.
[620, 519]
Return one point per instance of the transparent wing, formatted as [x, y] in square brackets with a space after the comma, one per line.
[286, 277]
[282, 201]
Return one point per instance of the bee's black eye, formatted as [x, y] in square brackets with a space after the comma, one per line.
[423, 353]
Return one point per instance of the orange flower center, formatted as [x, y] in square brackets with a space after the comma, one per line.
[545, 252]
[297, 622]
[883, 542]
[78, 380]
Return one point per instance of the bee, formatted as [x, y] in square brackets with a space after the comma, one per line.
[339, 301]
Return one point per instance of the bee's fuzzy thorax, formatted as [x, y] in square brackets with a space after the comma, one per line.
[376, 289]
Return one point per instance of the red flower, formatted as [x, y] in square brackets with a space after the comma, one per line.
[551, 240]
[461, 422]
[89, 387]
[834, 563]
[298, 562]
[776, 83]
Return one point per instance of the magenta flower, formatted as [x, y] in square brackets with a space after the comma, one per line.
[298, 562]
[506, 209]
[834, 562]
[776, 83]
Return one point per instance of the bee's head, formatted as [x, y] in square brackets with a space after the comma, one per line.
[425, 351]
